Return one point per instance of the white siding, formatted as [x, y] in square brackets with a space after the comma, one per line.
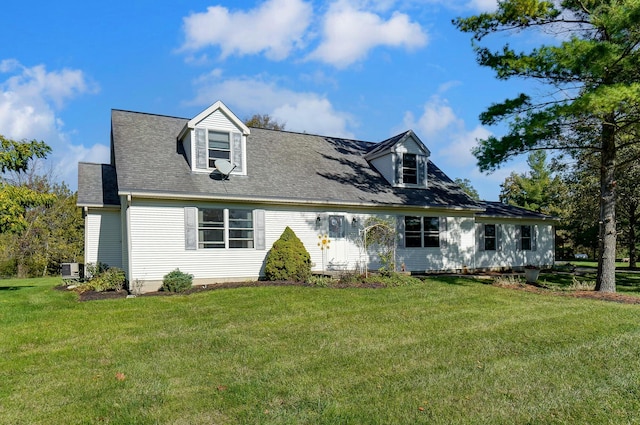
[410, 146]
[157, 234]
[385, 166]
[158, 247]
[456, 253]
[157, 244]
[219, 121]
[508, 254]
[103, 238]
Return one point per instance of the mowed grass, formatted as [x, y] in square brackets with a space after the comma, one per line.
[447, 351]
[627, 281]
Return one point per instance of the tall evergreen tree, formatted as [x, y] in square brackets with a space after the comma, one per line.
[591, 70]
[537, 190]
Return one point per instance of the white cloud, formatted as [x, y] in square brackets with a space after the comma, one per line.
[349, 34]
[66, 162]
[483, 5]
[30, 103]
[276, 27]
[300, 111]
[30, 97]
[437, 116]
[458, 152]
[313, 114]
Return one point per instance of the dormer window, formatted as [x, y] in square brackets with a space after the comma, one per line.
[215, 134]
[219, 147]
[409, 168]
[402, 160]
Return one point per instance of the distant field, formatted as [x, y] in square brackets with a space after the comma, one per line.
[594, 264]
[446, 351]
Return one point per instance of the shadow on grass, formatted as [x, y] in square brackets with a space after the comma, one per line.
[460, 280]
[14, 288]
[628, 282]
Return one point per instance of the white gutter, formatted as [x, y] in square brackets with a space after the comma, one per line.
[284, 201]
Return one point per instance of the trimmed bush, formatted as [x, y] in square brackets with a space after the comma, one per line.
[288, 259]
[176, 281]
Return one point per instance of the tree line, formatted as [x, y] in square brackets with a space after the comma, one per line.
[585, 101]
[40, 224]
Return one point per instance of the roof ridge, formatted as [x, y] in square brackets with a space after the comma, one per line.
[148, 113]
[303, 133]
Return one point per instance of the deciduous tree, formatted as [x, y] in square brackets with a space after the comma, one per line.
[264, 121]
[468, 188]
[17, 199]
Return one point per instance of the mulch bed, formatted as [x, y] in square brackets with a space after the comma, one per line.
[613, 297]
[106, 295]
[93, 295]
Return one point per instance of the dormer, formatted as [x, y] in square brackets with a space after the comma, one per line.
[215, 134]
[402, 160]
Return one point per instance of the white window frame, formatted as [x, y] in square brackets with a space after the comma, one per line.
[229, 227]
[211, 160]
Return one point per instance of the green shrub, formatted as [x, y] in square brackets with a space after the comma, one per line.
[96, 269]
[9, 268]
[176, 281]
[322, 281]
[288, 259]
[108, 279]
[351, 278]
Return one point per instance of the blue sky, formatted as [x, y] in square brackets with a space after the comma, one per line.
[351, 68]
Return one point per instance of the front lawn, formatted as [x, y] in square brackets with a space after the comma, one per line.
[445, 351]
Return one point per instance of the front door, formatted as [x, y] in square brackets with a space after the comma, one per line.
[337, 254]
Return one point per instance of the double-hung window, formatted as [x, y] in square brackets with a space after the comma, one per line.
[222, 228]
[211, 228]
[422, 232]
[409, 168]
[490, 237]
[525, 238]
[240, 229]
[219, 147]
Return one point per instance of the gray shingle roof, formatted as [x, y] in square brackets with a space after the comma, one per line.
[97, 185]
[498, 209]
[387, 144]
[285, 166]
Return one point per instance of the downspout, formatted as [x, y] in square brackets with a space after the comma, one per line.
[128, 226]
[85, 213]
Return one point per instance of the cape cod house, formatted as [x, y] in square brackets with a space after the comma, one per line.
[209, 196]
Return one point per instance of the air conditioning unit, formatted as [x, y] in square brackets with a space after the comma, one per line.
[72, 270]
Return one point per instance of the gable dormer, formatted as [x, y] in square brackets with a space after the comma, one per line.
[402, 160]
[215, 134]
